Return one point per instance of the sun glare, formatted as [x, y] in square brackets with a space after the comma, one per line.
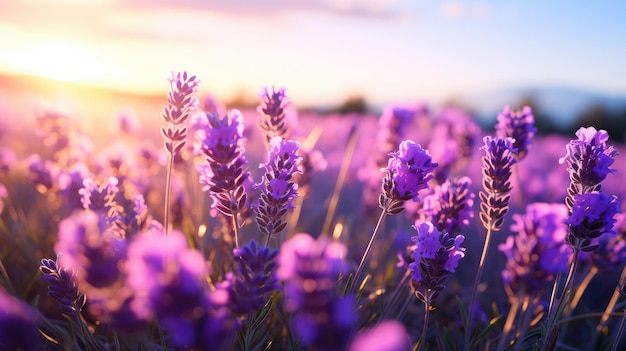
[60, 60]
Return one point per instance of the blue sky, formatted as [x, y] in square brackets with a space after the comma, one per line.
[321, 50]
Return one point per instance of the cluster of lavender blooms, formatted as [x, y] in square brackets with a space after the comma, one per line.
[127, 278]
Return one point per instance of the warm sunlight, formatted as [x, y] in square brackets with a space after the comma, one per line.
[59, 60]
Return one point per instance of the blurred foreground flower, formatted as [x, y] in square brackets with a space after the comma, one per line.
[310, 269]
[18, 324]
[388, 335]
[168, 280]
[253, 280]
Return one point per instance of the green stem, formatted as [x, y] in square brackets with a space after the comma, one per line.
[168, 182]
[235, 223]
[508, 324]
[426, 315]
[341, 178]
[618, 336]
[481, 266]
[553, 331]
[359, 271]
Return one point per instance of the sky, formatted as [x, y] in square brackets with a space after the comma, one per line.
[322, 51]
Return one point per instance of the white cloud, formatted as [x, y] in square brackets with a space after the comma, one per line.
[459, 9]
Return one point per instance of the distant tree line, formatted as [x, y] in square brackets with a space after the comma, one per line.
[595, 115]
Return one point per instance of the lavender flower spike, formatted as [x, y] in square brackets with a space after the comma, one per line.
[588, 162]
[519, 125]
[62, 287]
[437, 254]
[225, 171]
[253, 281]
[408, 171]
[497, 163]
[537, 252]
[277, 188]
[181, 102]
[592, 215]
[450, 205]
[272, 119]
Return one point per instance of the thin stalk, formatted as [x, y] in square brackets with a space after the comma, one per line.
[508, 324]
[359, 271]
[426, 314]
[582, 287]
[293, 219]
[607, 311]
[552, 332]
[168, 182]
[618, 336]
[528, 309]
[555, 288]
[519, 198]
[481, 266]
[6, 278]
[341, 179]
[235, 223]
[398, 289]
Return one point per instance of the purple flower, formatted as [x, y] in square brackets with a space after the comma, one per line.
[18, 324]
[278, 190]
[253, 281]
[310, 269]
[537, 252]
[450, 205]
[70, 182]
[224, 172]
[99, 198]
[519, 125]
[272, 119]
[43, 174]
[408, 171]
[166, 276]
[181, 102]
[444, 150]
[435, 256]
[62, 287]
[611, 251]
[168, 279]
[462, 128]
[392, 128]
[388, 335]
[497, 164]
[592, 215]
[588, 162]
[87, 246]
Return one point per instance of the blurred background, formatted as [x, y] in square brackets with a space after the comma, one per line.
[97, 57]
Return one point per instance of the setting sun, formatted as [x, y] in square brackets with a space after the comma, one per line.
[59, 60]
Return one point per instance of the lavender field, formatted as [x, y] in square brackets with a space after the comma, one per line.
[196, 226]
